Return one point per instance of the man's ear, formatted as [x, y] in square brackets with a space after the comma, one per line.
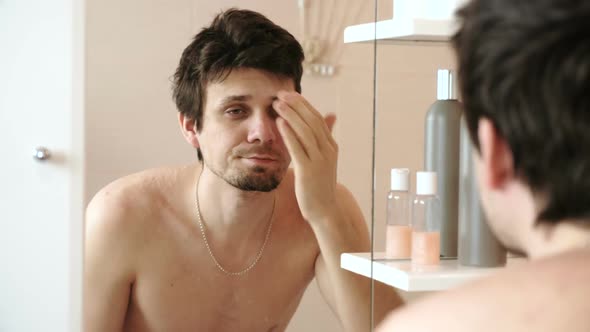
[496, 156]
[189, 129]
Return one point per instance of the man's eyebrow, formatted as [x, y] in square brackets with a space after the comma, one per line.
[234, 98]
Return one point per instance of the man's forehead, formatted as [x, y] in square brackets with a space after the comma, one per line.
[245, 78]
[243, 85]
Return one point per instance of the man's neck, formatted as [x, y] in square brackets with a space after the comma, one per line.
[549, 239]
[231, 214]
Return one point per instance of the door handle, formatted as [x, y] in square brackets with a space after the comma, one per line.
[41, 153]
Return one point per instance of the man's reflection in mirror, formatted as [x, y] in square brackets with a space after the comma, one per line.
[231, 242]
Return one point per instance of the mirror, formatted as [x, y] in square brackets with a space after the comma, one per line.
[133, 49]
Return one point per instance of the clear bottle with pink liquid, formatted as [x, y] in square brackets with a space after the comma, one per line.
[426, 220]
[398, 238]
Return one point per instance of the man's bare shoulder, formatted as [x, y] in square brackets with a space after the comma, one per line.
[133, 199]
[528, 297]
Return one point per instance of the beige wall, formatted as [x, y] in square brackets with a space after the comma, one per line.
[133, 48]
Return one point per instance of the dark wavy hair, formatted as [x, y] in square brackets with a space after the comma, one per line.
[235, 39]
[525, 66]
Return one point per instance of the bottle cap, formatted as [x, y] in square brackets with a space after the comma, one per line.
[445, 85]
[400, 179]
[426, 183]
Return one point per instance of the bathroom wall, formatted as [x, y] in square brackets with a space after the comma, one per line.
[133, 48]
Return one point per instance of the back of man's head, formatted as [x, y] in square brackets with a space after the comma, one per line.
[525, 66]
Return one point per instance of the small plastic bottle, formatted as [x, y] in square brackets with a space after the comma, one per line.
[426, 220]
[398, 239]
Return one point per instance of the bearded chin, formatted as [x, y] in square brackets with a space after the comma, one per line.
[254, 179]
[257, 180]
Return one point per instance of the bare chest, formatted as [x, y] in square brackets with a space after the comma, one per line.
[182, 289]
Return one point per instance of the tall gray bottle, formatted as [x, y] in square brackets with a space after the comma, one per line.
[477, 244]
[441, 155]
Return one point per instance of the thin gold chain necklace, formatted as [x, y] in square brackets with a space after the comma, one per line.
[202, 227]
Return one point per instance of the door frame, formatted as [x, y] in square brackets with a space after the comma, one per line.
[77, 165]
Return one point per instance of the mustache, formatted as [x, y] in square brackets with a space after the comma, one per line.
[265, 149]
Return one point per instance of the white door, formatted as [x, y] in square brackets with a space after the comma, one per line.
[41, 206]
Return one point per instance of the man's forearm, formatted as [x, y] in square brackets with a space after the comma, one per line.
[351, 292]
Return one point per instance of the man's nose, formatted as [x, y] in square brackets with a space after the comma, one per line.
[262, 128]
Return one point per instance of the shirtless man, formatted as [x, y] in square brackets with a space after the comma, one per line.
[525, 79]
[231, 243]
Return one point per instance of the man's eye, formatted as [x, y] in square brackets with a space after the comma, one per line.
[235, 112]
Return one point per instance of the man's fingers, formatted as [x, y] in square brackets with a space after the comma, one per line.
[330, 120]
[291, 141]
[312, 118]
[298, 127]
